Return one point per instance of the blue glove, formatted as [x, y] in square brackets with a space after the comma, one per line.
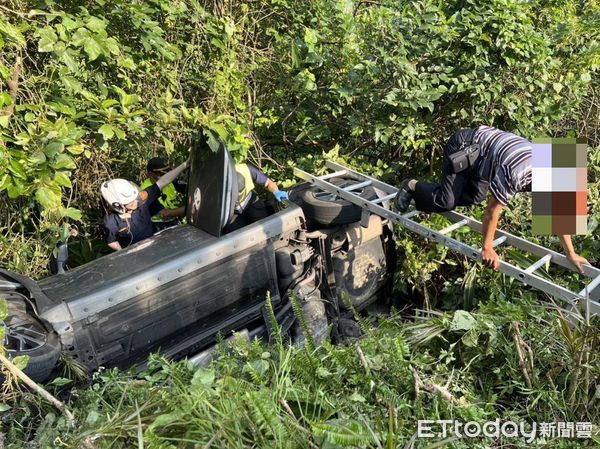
[281, 195]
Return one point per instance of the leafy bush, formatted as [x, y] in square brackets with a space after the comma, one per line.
[91, 90]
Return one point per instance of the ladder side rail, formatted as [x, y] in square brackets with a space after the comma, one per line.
[387, 188]
[453, 244]
[512, 240]
[518, 242]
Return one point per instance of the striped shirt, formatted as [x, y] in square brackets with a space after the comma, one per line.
[510, 159]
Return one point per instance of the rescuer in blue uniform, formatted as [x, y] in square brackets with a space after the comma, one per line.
[131, 219]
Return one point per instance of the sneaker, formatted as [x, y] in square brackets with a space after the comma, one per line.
[404, 196]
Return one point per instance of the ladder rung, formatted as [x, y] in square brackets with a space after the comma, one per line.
[360, 185]
[531, 268]
[591, 286]
[411, 214]
[454, 226]
[391, 196]
[334, 174]
[499, 241]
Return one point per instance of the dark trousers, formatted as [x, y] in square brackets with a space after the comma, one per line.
[454, 189]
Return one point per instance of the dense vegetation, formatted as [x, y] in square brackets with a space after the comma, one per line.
[90, 89]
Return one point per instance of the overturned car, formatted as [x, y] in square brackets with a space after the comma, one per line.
[177, 291]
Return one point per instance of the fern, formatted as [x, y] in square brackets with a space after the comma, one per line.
[299, 312]
[275, 330]
[345, 433]
[266, 415]
[365, 326]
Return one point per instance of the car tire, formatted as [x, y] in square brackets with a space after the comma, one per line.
[327, 209]
[27, 336]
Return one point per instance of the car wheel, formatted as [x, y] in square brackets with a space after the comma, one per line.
[24, 335]
[329, 209]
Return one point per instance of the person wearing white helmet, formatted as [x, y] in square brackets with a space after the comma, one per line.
[131, 219]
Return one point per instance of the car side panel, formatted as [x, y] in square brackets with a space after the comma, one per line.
[202, 302]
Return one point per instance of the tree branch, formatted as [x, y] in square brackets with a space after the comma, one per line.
[36, 388]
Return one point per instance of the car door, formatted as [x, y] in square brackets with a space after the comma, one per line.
[212, 186]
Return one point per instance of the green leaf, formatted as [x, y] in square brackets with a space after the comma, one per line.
[4, 72]
[15, 190]
[63, 161]
[119, 132]
[112, 45]
[126, 63]
[5, 99]
[203, 378]
[37, 158]
[48, 38]
[21, 361]
[76, 149]
[128, 100]
[462, 321]
[68, 59]
[108, 103]
[357, 397]
[3, 309]
[107, 132]
[92, 417]
[47, 197]
[69, 23]
[53, 148]
[4, 182]
[71, 212]
[95, 24]
[12, 32]
[166, 419]
[168, 145]
[470, 338]
[93, 48]
[213, 141]
[4, 407]
[60, 382]
[16, 168]
[62, 179]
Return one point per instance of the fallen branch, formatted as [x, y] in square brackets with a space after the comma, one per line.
[435, 389]
[520, 345]
[13, 88]
[15, 371]
[363, 360]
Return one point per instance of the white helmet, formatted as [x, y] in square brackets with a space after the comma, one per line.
[119, 192]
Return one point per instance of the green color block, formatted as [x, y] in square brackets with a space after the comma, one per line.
[564, 155]
[541, 224]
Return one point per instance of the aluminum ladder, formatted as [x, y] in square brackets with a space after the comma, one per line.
[589, 296]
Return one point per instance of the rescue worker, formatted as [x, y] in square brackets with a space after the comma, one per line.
[130, 221]
[169, 205]
[475, 161]
[249, 208]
